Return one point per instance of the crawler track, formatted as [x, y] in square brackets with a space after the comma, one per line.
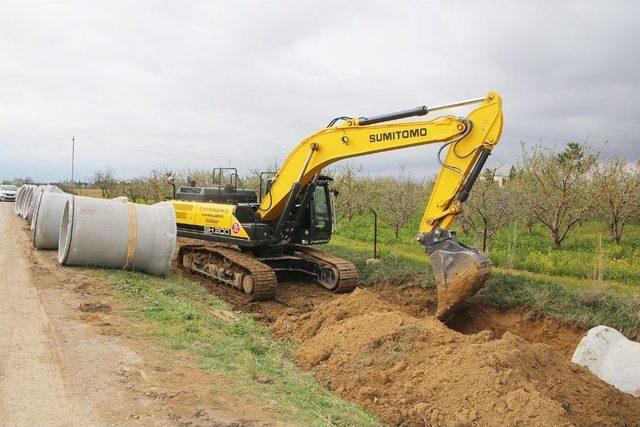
[346, 275]
[238, 269]
[242, 271]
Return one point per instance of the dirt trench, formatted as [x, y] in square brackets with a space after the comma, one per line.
[412, 370]
[295, 296]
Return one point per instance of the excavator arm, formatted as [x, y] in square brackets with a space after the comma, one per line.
[460, 271]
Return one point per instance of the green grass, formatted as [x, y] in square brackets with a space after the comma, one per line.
[565, 297]
[514, 248]
[184, 316]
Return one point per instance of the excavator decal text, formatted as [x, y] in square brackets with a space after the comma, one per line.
[391, 136]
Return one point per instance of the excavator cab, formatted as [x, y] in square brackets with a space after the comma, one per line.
[316, 224]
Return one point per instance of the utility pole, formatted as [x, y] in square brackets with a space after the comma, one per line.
[73, 157]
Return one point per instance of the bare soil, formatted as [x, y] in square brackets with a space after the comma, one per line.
[297, 296]
[410, 370]
[383, 348]
[69, 357]
[562, 336]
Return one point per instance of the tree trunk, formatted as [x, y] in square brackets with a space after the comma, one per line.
[615, 231]
[529, 226]
[485, 239]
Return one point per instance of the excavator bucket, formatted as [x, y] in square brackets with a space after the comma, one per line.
[460, 271]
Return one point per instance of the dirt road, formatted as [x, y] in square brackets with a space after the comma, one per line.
[66, 358]
[32, 390]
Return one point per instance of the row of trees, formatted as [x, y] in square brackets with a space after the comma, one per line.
[394, 199]
[558, 189]
[153, 187]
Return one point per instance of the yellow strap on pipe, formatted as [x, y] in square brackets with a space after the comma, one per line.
[133, 236]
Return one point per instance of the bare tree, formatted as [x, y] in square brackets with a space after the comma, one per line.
[202, 177]
[135, 189]
[252, 181]
[557, 188]
[105, 181]
[157, 185]
[396, 199]
[22, 181]
[618, 185]
[489, 208]
[352, 196]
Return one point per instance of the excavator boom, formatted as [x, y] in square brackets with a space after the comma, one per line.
[460, 271]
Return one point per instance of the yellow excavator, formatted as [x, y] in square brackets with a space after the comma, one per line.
[257, 236]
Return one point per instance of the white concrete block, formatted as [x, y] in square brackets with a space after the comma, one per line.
[611, 357]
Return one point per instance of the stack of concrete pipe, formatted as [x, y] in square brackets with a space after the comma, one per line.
[28, 214]
[88, 231]
[26, 202]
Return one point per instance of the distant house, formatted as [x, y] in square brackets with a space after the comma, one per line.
[501, 180]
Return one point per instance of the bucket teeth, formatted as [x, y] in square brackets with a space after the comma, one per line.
[460, 271]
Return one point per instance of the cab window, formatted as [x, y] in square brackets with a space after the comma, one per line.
[321, 214]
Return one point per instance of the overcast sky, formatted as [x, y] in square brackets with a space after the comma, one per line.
[202, 84]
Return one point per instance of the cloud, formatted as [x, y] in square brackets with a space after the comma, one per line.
[203, 84]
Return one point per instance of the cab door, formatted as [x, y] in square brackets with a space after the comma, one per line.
[321, 215]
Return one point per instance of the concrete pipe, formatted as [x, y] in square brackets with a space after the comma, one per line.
[23, 200]
[107, 233]
[33, 202]
[36, 203]
[611, 357]
[19, 197]
[47, 219]
[27, 201]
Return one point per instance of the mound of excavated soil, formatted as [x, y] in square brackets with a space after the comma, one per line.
[410, 370]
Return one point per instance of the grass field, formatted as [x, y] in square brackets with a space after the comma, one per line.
[513, 248]
[87, 192]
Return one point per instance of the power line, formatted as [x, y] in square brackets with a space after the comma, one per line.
[159, 153]
[28, 147]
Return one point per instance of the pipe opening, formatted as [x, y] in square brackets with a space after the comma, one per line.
[64, 238]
